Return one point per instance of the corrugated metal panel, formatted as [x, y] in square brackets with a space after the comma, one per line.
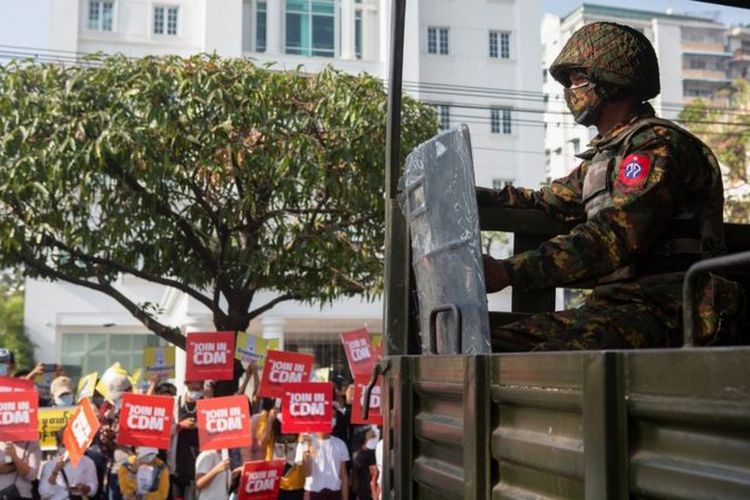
[438, 426]
[537, 438]
[689, 415]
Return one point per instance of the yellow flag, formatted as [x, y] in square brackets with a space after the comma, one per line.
[86, 386]
[135, 377]
[159, 360]
[51, 420]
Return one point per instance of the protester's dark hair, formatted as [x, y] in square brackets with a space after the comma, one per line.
[229, 387]
[165, 388]
[267, 404]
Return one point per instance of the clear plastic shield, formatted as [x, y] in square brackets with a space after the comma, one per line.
[439, 201]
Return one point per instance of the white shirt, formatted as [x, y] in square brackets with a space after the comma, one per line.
[326, 466]
[29, 450]
[84, 473]
[379, 462]
[217, 488]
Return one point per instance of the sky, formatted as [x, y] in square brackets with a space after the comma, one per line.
[728, 15]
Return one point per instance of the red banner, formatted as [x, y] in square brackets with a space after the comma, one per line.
[80, 431]
[210, 356]
[12, 384]
[307, 407]
[375, 417]
[19, 416]
[223, 423]
[358, 351]
[146, 420]
[260, 480]
[282, 368]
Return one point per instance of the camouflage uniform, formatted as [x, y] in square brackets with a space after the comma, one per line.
[649, 199]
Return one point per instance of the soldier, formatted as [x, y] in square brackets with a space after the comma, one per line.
[648, 198]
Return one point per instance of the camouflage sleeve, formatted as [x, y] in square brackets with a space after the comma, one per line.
[561, 199]
[645, 190]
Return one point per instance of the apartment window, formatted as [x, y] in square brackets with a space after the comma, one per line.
[499, 44]
[575, 144]
[310, 27]
[545, 75]
[501, 183]
[101, 15]
[260, 27]
[358, 34]
[500, 121]
[165, 20]
[444, 116]
[437, 41]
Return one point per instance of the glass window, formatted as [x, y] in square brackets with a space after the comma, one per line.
[444, 116]
[100, 15]
[84, 353]
[260, 27]
[166, 20]
[500, 44]
[158, 20]
[437, 40]
[310, 27]
[358, 34]
[432, 41]
[500, 121]
[501, 183]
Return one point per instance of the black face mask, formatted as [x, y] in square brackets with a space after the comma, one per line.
[585, 103]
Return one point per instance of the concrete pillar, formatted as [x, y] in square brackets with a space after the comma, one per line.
[274, 25]
[347, 29]
[273, 328]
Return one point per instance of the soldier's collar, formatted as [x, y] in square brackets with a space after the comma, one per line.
[613, 138]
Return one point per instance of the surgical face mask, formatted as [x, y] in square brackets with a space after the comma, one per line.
[371, 444]
[64, 400]
[195, 395]
[585, 102]
[3, 369]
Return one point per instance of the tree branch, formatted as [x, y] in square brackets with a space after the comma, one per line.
[257, 312]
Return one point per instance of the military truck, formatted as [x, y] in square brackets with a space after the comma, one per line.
[657, 423]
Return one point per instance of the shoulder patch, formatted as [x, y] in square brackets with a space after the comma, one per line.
[634, 170]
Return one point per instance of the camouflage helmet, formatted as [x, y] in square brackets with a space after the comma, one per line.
[610, 53]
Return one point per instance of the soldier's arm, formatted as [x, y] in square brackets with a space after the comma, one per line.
[640, 212]
[561, 199]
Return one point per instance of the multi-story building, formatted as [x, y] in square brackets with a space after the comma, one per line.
[693, 62]
[738, 44]
[476, 60]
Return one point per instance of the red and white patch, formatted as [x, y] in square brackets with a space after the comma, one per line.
[634, 170]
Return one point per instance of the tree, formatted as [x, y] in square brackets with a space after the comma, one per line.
[211, 176]
[11, 319]
[727, 131]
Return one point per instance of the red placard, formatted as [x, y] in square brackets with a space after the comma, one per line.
[146, 420]
[223, 423]
[307, 407]
[375, 417]
[210, 356]
[19, 414]
[358, 351]
[80, 431]
[260, 480]
[282, 368]
[12, 384]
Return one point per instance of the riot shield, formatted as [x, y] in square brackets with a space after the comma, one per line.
[438, 198]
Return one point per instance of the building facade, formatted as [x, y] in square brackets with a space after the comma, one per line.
[694, 61]
[477, 61]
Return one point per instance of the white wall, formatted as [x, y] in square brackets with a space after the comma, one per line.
[668, 48]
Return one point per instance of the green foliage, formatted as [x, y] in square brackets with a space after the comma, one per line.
[210, 175]
[11, 329]
[727, 131]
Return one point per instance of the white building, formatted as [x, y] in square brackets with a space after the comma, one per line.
[476, 59]
[693, 62]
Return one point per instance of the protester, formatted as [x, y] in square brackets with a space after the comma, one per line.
[62, 391]
[116, 454]
[342, 404]
[377, 487]
[143, 476]
[183, 451]
[19, 466]
[292, 483]
[324, 463]
[213, 475]
[363, 462]
[7, 362]
[262, 432]
[61, 480]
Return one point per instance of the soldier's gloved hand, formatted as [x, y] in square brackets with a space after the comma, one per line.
[495, 276]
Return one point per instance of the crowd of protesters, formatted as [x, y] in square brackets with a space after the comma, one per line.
[343, 464]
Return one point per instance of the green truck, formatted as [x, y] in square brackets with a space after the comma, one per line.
[661, 423]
